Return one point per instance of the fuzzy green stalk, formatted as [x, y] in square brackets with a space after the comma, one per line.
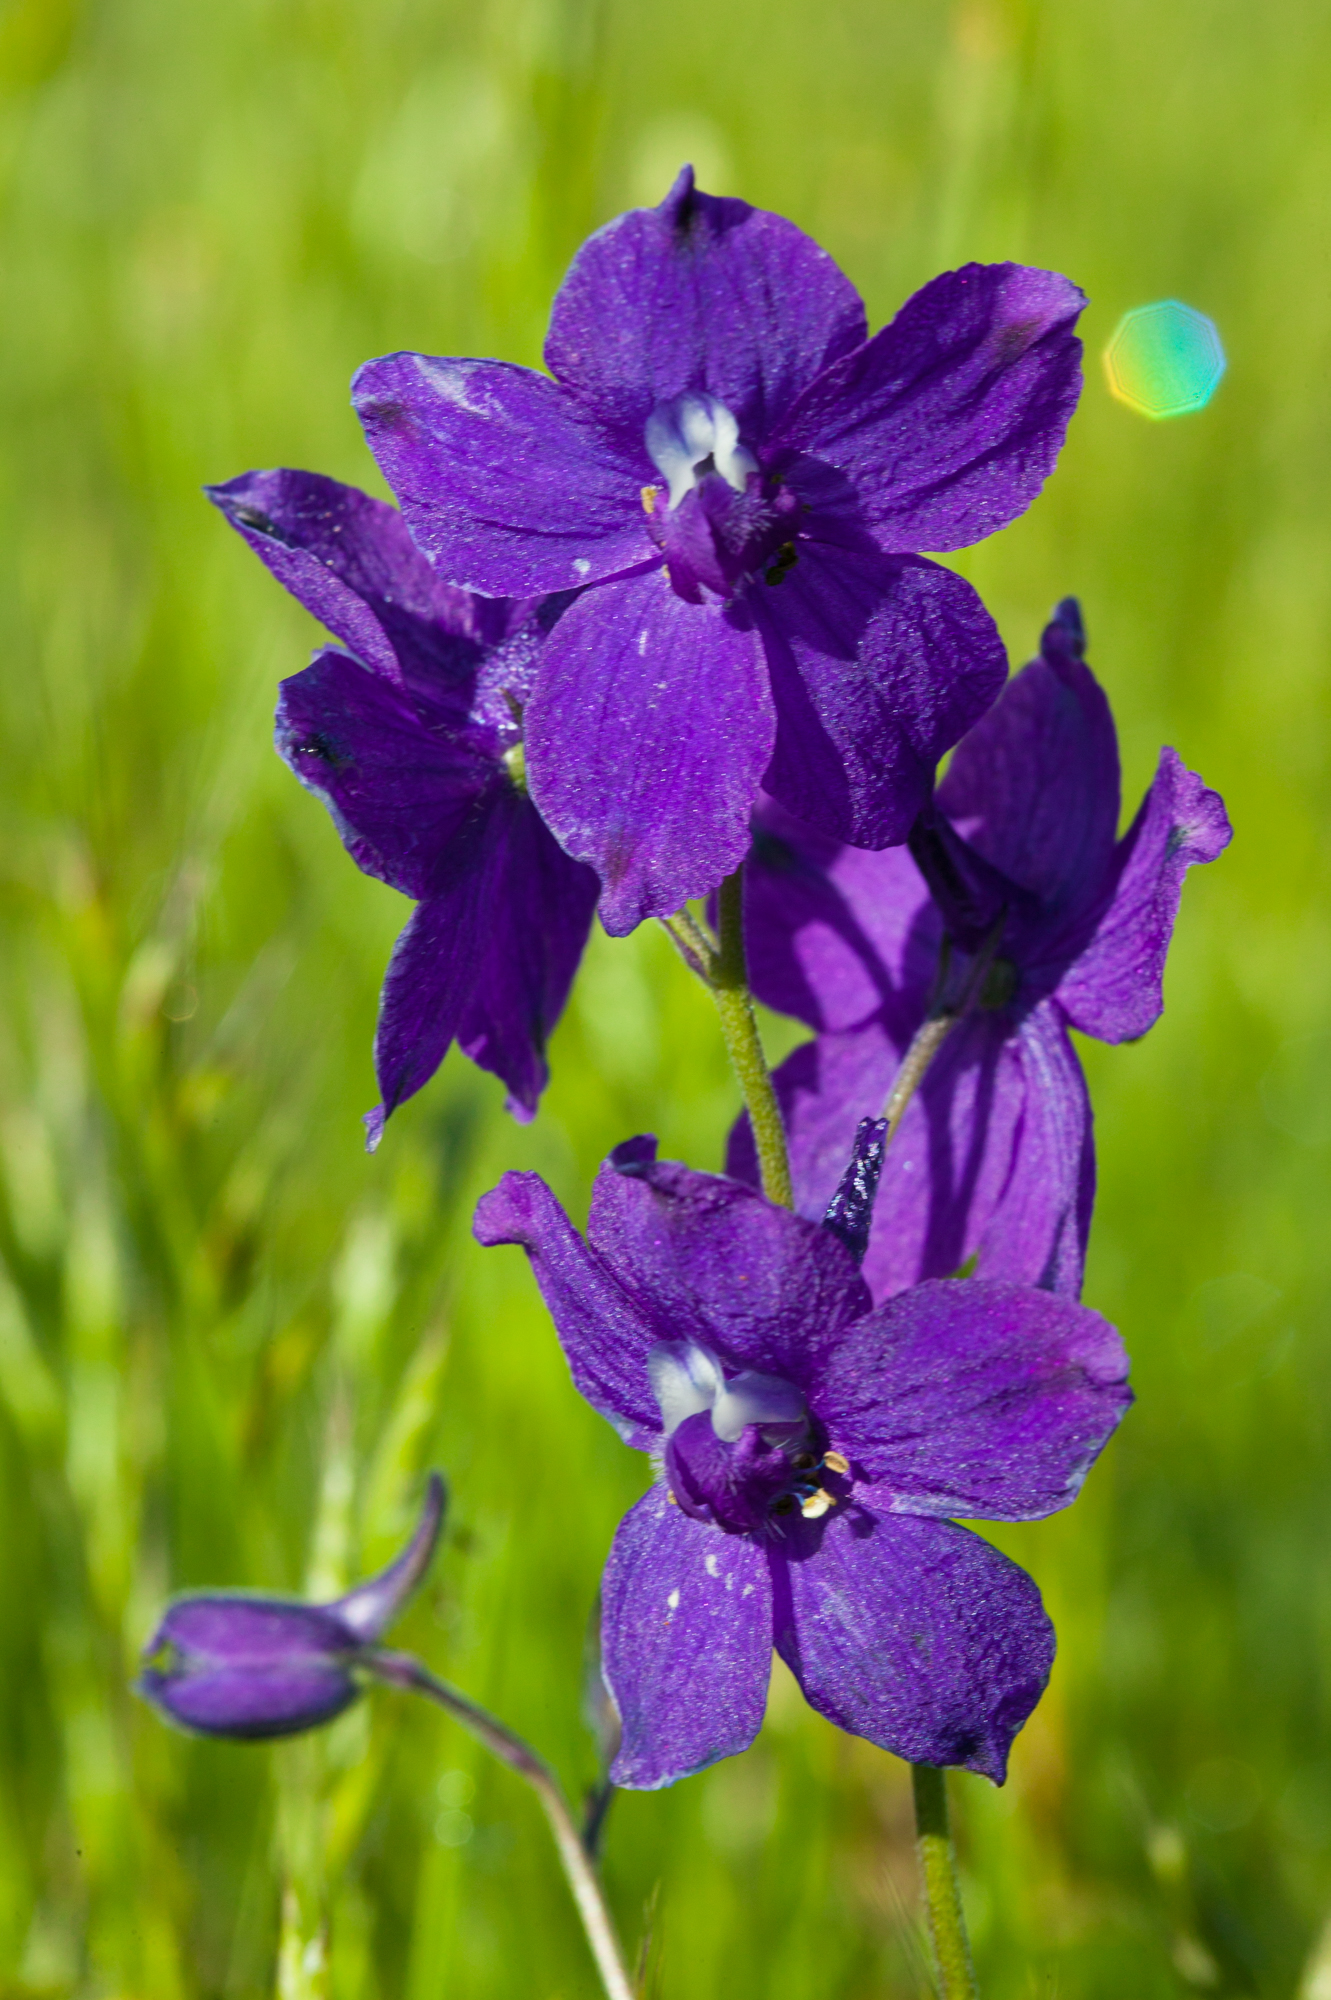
[401, 1670]
[721, 967]
[734, 1003]
[942, 1895]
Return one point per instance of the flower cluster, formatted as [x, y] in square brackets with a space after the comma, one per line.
[660, 615]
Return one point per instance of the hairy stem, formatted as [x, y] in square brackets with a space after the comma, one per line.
[937, 1025]
[400, 1670]
[942, 1896]
[734, 1004]
[932, 1032]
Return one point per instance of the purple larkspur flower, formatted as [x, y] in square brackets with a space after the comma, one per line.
[811, 1448]
[993, 1159]
[237, 1663]
[413, 740]
[743, 481]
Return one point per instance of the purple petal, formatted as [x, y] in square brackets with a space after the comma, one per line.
[949, 421]
[349, 560]
[647, 737]
[1034, 787]
[505, 483]
[248, 1666]
[538, 907]
[487, 957]
[719, 1264]
[979, 905]
[702, 293]
[912, 1633]
[836, 934]
[607, 1331]
[369, 1609]
[967, 1397]
[399, 791]
[877, 668]
[1115, 989]
[993, 1159]
[428, 986]
[686, 1642]
[1035, 1232]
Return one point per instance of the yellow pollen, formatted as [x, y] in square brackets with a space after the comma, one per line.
[649, 499]
[836, 1463]
[816, 1505]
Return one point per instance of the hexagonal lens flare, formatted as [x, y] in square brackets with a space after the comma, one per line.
[1164, 360]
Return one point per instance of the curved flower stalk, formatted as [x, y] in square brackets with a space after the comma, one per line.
[243, 1665]
[739, 482]
[810, 1451]
[413, 740]
[1016, 859]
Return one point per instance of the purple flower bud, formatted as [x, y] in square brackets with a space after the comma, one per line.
[850, 1211]
[238, 1664]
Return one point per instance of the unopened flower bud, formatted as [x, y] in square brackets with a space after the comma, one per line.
[238, 1664]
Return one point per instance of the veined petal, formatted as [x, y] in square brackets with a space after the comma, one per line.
[430, 979]
[1115, 990]
[686, 1642]
[1034, 786]
[949, 421]
[1035, 1231]
[719, 1264]
[504, 482]
[962, 1396]
[647, 735]
[702, 293]
[606, 1329]
[993, 1159]
[349, 560]
[877, 668]
[913, 1633]
[398, 790]
[538, 906]
[836, 935]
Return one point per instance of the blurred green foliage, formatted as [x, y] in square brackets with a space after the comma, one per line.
[230, 1343]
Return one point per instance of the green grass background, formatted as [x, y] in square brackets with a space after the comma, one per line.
[230, 1343]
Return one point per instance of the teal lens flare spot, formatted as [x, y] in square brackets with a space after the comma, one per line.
[1164, 360]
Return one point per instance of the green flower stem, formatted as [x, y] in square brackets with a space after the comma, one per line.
[721, 967]
[929, 1037]
[400, 1670]
[734, 1003]
[942, 1896]
[937, 1025]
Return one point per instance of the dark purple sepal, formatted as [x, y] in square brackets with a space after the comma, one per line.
[951, 418]
[1115, 989]
[507, 484]
[878, 665]
[686, 1642]
[647, 737]
[349, 560]
[702, 292]
[915, 1634]
[398, 790]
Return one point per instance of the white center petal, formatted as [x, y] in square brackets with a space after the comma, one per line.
[695, 433]
[751, 1398]
[685, 1379]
